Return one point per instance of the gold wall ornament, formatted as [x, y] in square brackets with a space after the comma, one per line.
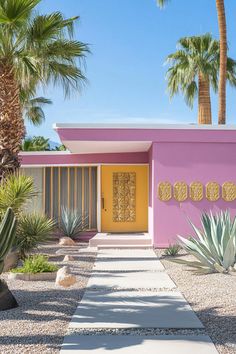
[124, 196]
[229, 191]
[164, 191]
[180, 191]
[196, 191]
[212, 191]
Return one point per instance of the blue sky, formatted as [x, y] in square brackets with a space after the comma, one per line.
[130, 40]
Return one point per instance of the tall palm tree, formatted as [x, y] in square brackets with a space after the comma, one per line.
[194, 69]
[220, 6]
[32, 47]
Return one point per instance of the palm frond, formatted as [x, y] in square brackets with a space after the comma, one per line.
[14, 12]
[45, 27]
[66, 75]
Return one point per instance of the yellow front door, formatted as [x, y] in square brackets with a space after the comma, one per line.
[124, 198]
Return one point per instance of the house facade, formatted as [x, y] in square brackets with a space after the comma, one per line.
[137, 179]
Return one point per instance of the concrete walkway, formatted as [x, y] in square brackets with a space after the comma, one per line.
[129, 292]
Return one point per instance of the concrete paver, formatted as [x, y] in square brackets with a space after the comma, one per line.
[127, 253]
[134, 309]
[171, 344]
[117, 264]
[130, 280]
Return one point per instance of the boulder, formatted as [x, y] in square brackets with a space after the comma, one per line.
[11, 261]
[65, 278]
[7, 300]
[68, 258]
[66, 241]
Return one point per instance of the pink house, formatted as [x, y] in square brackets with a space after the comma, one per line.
[140, 180]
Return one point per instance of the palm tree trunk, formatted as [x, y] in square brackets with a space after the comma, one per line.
[223, 60]
[12, 128]
[204, 100]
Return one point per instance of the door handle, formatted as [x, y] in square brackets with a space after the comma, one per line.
[103, 203]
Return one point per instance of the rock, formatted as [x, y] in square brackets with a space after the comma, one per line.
[65, 278]
[7, 300]
[68, 258]
[66, 241]
[11, 261]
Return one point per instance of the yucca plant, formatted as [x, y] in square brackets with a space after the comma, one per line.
[72, 222]
[15, 191]
[214, 245]
[32, 230]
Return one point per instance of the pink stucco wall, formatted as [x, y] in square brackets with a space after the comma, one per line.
[76, 159]
[187, 161]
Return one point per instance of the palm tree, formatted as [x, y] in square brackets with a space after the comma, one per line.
[195, 69]
[220, 6]
[37, 143]
[33, 48]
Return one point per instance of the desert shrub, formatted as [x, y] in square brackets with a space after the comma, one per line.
[172, 250]
[15, 191]
[36, 264]
[32, 230]
[71, 223]
[214, 246]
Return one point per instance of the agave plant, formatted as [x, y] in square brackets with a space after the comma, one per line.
[72, 223]
[7, 236]
[214, 246]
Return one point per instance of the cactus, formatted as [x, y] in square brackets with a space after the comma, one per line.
[7, 235]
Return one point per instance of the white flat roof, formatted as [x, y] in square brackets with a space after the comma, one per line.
[140, 126]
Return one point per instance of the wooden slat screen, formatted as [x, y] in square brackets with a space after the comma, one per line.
[74, 188]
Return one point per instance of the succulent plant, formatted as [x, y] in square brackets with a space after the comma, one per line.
[172, 250]
[72, 222]
[214, 246]
[7, 235]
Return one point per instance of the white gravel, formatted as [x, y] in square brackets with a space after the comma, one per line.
[212, 297]
[40, 322]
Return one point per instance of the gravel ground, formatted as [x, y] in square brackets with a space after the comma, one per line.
[212, 297]
[40, 322]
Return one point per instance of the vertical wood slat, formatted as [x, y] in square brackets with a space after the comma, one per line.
[59, 192]
[68, 187]
[44, 189]
[90, 198]
[75, 187]
[51, 197]
[82, 196]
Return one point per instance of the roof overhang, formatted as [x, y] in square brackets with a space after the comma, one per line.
[120, 138]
